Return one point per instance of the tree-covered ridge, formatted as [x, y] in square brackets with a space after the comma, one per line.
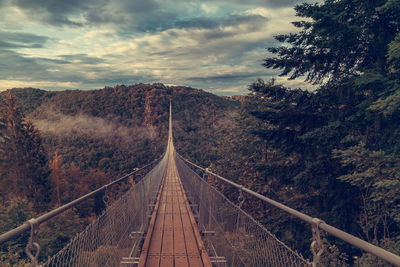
[86, 127]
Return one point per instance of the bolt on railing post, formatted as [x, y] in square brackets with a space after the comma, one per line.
[317, 248]
[32, 243]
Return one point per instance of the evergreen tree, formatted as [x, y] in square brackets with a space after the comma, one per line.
[36, 169]
[12, 145]
[338, 39]
[4, 139]
[376, 175]
[56, 177]
[26, 170]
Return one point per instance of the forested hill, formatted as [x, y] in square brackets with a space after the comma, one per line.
[116, 129]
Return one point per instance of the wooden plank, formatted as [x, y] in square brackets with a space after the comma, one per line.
[167, 250]
[145, 247]
[180, 255]
[166, 261]
[153, 260]
[157, 235]
[180, 261]
[200, 245]
[191, 245]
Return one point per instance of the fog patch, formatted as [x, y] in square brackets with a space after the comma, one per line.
[53, 122]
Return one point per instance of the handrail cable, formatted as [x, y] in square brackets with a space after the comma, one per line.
[47, 216]
[355, 241]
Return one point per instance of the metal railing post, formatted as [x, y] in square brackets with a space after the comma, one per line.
[32, 243]
[317, 247]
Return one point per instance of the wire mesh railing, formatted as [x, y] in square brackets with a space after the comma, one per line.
[112, 235]
[190, 176]
[109, 237]
[236, 236]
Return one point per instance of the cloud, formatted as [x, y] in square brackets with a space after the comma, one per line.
[228, 76]
[213, 45]
[53, 85]
[222, 52]
[22, 40]
[138, 15]
[229, 91]
[53, 73]
[82, 59]
[54, 12]
[213, 23]
[129, 16]
[16, 66]
[297, 83]
[124, 15]
[13, 65]
[263, 3]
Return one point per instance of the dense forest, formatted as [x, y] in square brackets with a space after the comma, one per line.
[332, 153]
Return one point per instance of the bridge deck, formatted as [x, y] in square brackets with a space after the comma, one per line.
[173, 238]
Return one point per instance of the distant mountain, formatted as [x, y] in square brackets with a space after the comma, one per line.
[119, 128]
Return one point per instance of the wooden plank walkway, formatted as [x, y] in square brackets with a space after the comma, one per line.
[173, 238]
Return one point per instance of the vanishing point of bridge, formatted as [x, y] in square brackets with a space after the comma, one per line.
[172, 216]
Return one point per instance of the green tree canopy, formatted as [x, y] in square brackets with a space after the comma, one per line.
[337, 39]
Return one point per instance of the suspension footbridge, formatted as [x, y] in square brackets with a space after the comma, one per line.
[173, 216]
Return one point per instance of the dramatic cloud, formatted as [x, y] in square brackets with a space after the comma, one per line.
[232, 20]
[21, 40]
[214, 45]
[54, 12]
[68, 71]
[262, 3]
[130, 15]
[83, 59]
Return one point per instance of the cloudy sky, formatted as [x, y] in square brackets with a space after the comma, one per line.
[215, 45]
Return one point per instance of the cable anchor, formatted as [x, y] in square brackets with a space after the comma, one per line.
[317, 247]
[205, 173]
[106, 198]
[32, 243]
[241, 197]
